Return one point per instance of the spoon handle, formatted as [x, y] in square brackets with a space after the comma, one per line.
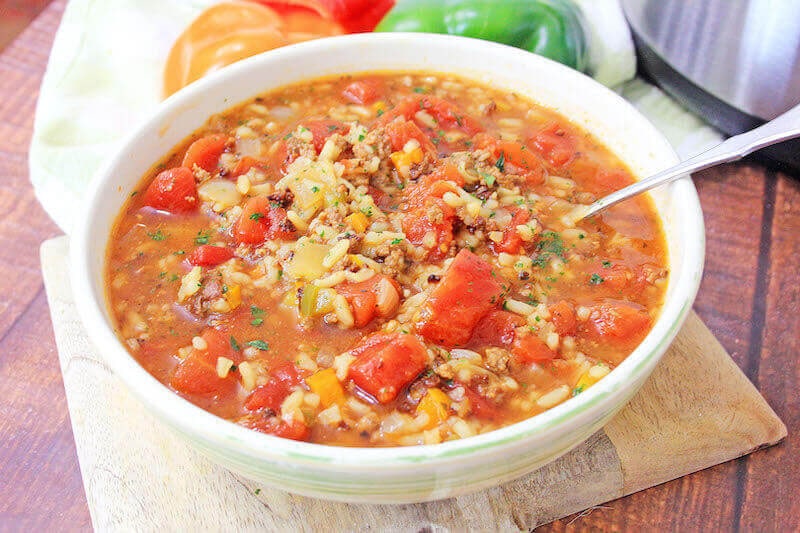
[785, 126]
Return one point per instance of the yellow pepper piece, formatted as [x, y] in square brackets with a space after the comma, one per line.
[358, 221]
[326, 385]
[234, 296]
[584, 382]
[403, 160]
[436, 404]
[290, 299]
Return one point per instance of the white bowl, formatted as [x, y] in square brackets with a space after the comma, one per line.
[402, 474]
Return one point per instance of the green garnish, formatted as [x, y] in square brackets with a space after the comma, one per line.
[256, 216]
[202, 237]
[501, 162]
[157, 236]
[261, 345]
[235, 344]
[595, 279]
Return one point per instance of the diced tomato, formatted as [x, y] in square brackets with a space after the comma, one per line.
[497, 328]
[513, 157]
[323, 128]
[512, 242]
[260, 221]
[468, 290]
[555, 145]
[400, 132]
[387, 362]
[383, 200]
[197, 373]
[272, 425]
[432, 185]
[446, 114]
[435, 218]
[617, 321]
[363, 299]
[480, 406]
[173, 190]
[208, 255]
[529, 348]
[563, 316]
[244, 165]
[283, 378]
[364, 91]
[205, 152]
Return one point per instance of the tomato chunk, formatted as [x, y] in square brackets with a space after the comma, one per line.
[497, 328]
[364, 91]
[563, 317]
[363, 298]
[481, 407]
[272, 425]
[512, 242]
[205, 152]
[260, 221]
[529, 348]
[197, 374]
[446, 114]
[555, 145]
[468, 290]
[208, 255]
[173, 190]
[387, 362]
[400, 132]
[617, 321]
[513, 157]
[324, 128]
[284, 377]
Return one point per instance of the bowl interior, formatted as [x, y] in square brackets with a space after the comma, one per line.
[594, 108]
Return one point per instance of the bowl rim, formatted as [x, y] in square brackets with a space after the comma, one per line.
[193, 420]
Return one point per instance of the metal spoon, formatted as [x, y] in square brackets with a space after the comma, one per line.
[786, 126]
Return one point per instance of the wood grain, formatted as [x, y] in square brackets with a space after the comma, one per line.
[749, 299]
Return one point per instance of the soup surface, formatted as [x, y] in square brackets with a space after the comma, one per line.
[387, 259]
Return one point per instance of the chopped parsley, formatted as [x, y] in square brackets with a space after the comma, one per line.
[261, 345]
[202, 237]
[397, 241]
[157, 236]
[361, 137]
[595, 279]
[380, 112]
[550, 245]
[501, 162]
[488, 179]
[314, 188]
[606, 264]
[256, 216]
[577, 390]
[235, 344]
[418, 90]
[257, 314]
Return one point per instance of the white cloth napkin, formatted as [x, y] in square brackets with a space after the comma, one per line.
[104, 78]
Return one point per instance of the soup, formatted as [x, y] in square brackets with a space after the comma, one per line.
[382, 260]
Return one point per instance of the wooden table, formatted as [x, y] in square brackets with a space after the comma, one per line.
[750, 298]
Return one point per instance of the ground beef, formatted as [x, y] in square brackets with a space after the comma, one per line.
[200, 302]
[497, 359]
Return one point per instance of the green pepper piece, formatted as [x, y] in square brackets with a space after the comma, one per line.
[422, 16]
[551, 28]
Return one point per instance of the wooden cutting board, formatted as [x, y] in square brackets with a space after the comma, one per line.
[697, 410]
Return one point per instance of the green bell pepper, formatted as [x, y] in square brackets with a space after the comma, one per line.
[551, 28]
